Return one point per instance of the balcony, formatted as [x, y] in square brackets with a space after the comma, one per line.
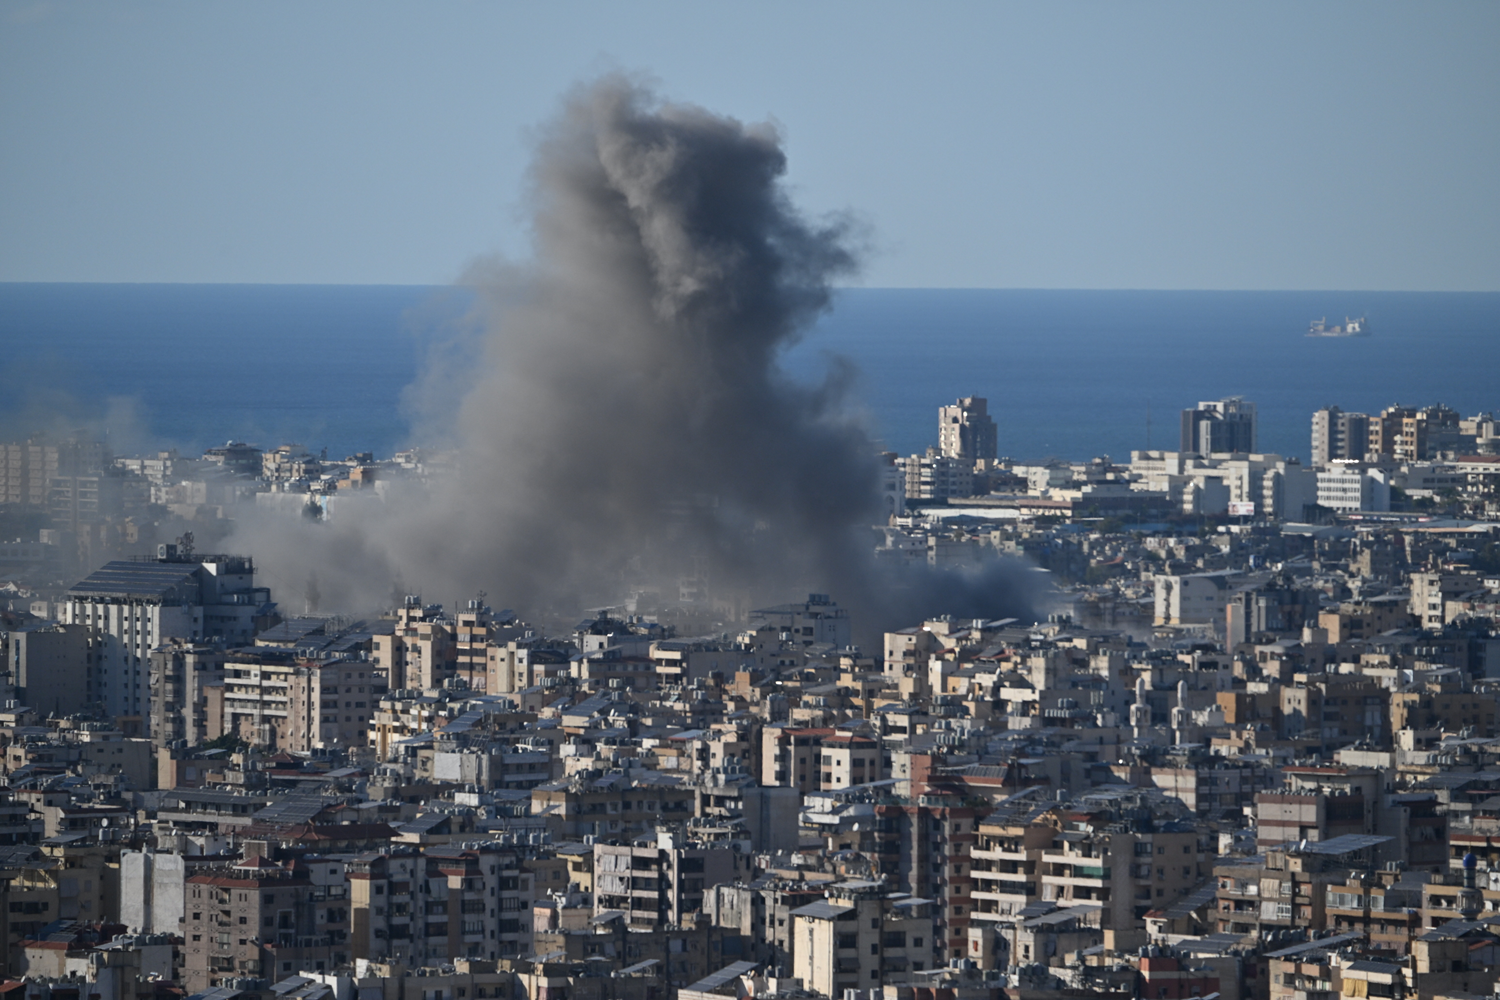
[1072, 859]
[1002, 879]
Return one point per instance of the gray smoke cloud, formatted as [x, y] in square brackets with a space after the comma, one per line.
[628, 424]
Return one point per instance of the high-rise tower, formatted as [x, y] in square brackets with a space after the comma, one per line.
[965, 429]
[1223, 425]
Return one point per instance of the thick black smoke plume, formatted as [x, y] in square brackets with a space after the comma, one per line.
[629, 426]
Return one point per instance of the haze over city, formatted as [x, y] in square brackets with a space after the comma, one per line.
[798, 502]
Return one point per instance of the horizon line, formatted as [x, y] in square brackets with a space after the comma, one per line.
[834, 288]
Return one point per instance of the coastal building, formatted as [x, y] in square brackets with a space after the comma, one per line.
[1223, 425]
[27, 468]
[966, 431]
[1354, 486]
[935, 476]
[1339, 435]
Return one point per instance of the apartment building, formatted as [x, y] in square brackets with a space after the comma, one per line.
[858, 936]
[611, 805]
[440, 904]
[1431, 592]
[1128, 872]
[966, 431]
[278, 698]
[521, 662]
[793, 757]
[1217, 426]
[27, 468]
[923, 845]
[761, 913]
[1339, 435]
[1289, 886]
[53, 667]
[659, 880]
[258, 919]
[181, 673]
[1005, 860]
[1318, 803]
[422, 651]
[132, 607]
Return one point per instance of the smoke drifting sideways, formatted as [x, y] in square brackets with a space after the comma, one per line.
[628, 426]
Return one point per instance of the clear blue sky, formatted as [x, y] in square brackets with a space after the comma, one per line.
[1260, 145]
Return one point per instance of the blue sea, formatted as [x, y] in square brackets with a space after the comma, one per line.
[1072, 374]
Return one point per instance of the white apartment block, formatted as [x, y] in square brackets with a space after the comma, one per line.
[133, 607]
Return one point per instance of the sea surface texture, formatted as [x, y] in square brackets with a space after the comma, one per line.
[1072, 374]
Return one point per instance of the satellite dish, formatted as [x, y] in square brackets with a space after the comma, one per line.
[104, 822]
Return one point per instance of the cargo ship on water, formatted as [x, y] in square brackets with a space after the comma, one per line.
[1351, 328]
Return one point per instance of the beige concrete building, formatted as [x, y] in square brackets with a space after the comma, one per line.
[440, 905]
[260, 920]
[53, 667]
[1192, 598]
[27, 468]
[965, 430]
[276, 698]
[1005, 860]
[659, 881]
[858, 937]
[181, 673]
[422, 651]
[330, 704]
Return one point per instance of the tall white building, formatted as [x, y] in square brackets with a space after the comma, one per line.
[1351, 486]
[132, 607]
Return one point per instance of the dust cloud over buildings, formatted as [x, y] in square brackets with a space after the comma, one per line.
[628, 429]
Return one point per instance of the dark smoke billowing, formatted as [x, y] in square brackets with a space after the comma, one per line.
[629, 425]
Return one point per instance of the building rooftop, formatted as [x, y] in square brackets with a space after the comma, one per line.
[125, 579]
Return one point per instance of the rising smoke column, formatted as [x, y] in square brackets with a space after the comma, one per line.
[628, 423]
[631, 420]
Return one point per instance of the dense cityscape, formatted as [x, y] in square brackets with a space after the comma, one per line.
[1248, 749]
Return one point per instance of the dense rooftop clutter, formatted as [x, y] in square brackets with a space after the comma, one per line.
[1253, 752]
